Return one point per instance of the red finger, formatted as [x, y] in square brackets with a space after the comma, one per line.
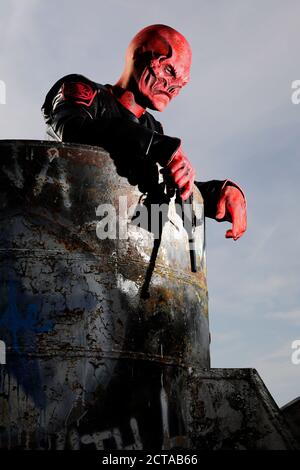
[178, 174]
[176, 163]
[221, 208]
[238, 235]
[181, 179]
[239, 219]
[236, 222]
[187, 191]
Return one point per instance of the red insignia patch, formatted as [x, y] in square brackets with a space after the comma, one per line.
[81, 93]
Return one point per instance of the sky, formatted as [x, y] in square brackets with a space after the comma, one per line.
[236, 120]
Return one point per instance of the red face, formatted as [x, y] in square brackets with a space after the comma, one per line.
[161, 81]
[165, 71]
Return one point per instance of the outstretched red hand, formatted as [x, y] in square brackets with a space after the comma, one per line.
[232, 203]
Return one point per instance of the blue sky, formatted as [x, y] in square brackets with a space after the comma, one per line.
[236, 120]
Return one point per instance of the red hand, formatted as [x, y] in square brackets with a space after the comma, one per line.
[233, 202]
[181, 173]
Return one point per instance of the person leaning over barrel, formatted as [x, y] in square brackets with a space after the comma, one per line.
[115, 117]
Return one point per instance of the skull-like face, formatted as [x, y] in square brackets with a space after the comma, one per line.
[160, 61]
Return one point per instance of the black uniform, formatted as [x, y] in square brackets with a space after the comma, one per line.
[77, 110]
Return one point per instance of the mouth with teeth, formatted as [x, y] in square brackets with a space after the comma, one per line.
[150, 87]
[161, 92]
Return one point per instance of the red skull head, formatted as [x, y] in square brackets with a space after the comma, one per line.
[158, 61]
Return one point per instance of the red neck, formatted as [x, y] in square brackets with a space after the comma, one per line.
[126, 98]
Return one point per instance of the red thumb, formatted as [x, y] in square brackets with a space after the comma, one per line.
[221, 208]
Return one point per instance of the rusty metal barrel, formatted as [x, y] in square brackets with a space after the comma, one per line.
[103, 320]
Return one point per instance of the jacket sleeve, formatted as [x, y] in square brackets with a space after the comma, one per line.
[72, 111]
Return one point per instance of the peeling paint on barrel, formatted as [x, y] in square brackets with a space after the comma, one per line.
[82, 319]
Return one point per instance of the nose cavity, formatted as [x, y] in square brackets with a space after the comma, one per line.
[174, 89]
[164, 82]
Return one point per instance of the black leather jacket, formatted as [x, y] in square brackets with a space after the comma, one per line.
[77, 110]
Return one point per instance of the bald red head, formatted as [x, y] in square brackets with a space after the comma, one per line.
[158, 61]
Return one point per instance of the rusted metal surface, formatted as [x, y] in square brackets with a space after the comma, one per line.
[73, 307]
[107, 341]
[231, 409]
[291, 412]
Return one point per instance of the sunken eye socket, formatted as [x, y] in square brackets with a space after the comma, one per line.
[170, 70]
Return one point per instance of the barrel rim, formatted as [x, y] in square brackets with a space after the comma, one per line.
[52, 143]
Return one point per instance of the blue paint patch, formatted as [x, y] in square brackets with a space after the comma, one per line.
[20, 326]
